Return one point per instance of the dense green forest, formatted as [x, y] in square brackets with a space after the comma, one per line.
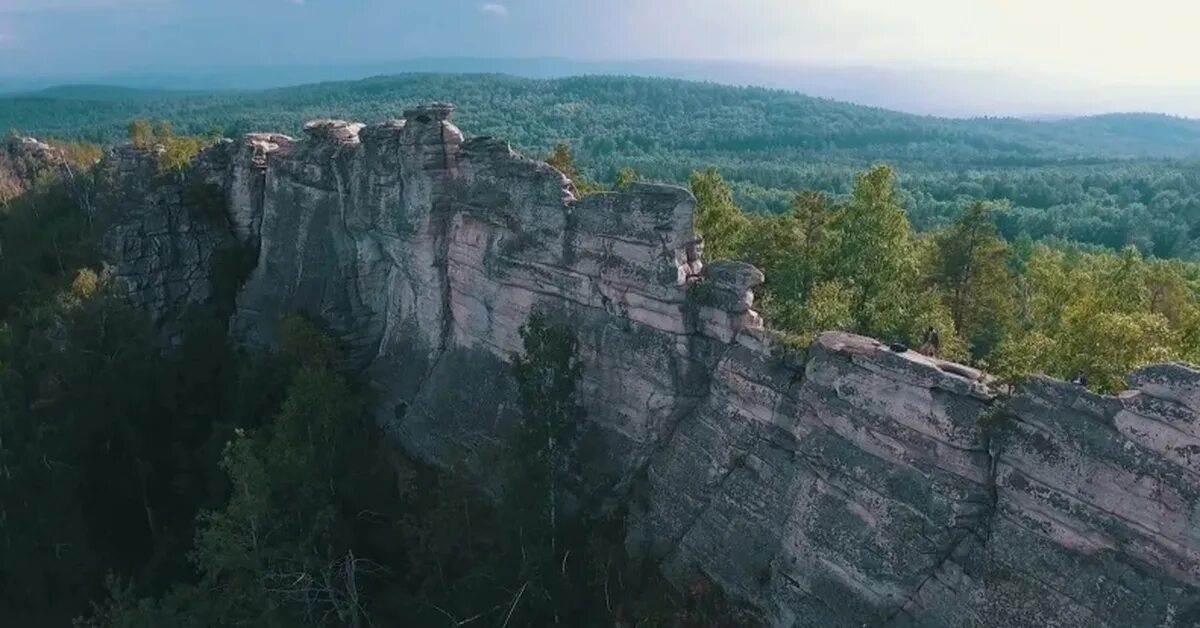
[962, 292]
[1112, 180]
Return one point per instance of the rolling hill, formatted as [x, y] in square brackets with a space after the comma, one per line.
[1110, 180]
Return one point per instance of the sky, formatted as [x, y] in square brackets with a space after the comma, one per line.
[1105, 43]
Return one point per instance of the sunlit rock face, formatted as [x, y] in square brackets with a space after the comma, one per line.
[852, 486]
[870, 488]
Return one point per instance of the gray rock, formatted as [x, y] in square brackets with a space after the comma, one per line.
[164, 233]
[853, 486]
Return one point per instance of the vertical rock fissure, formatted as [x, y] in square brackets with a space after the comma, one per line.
[441, 219]
[977, 526]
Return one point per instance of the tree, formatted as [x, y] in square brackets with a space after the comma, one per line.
[179, 153]
[1106, 345]
[280, 548]
[562, 159]
[547, 375]
[812, 211]
[970, 266]
[10, 184]
[626, 177]
[870, 248]
[545, 489]
[163, 131]
[140, 134]
[718, 218]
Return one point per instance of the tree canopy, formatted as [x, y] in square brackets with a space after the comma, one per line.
[1112, 181]
[1017, 309]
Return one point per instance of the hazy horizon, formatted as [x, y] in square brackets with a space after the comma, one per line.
[981, 57]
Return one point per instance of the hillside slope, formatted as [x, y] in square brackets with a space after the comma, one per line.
[692, 115]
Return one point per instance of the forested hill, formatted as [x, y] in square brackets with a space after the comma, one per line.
[1109, 180]
[619, 113]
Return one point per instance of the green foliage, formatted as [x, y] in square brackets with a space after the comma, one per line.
[315, 530]
[970, 266]
[853, 266]
[546, 375]
[563, 160]
[790, 348]
[626, 177]
[141, 135]
[47, 231]
[718, 219]
[106, 445]
[870, 250]
[830, 306]
[1016, 310]
[546, 487]
[192, 485]
[280, 549]
[175, 153]
[180, 152]
[163, 131]
[78, 155]
[1108, 180]
[1100, 314]
[225, 489]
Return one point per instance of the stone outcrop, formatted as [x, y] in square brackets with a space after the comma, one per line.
[22, 161]
[164, 235]
[877, 489]
[852, 486]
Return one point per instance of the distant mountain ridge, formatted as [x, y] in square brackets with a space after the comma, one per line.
[927, 91]
[1113, 180]
[109, 107]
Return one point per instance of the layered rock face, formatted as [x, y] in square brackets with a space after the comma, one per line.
[853, 486]
[875, 489]
[164, 235]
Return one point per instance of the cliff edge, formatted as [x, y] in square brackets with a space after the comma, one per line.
[853, 486]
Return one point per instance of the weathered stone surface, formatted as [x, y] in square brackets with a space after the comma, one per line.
[1098, 500]
[826, 496]
[855, 486]
[164, 232]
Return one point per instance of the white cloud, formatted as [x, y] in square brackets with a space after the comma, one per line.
[494, 8]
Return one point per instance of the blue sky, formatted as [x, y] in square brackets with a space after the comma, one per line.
[1113, 41]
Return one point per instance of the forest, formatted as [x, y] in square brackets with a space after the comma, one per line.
[962, 292]
[1111, 181]
[146, 483]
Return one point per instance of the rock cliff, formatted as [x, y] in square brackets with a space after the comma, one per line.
[852, 486]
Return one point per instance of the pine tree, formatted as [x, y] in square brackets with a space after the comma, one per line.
[970, 267]
[870, 250]
[718, 218]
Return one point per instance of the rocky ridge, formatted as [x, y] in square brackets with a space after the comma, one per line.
[852, 486]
